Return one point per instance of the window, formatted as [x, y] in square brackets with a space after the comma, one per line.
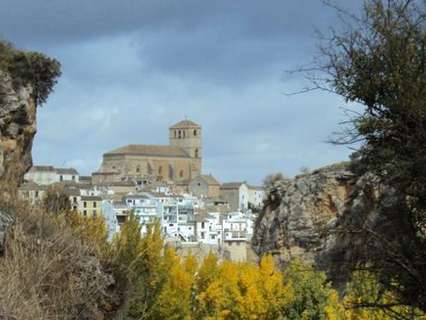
[61, 178]
[138, 169]
[195, 132]
[202, 225]
[196, 153]
[175, 133]
[160, 170]
[183, 133]
[94, 213]
[181, 174]
[94, 204]
[85, 213]
[36, 194]
[84, 204]
[179, 134]
[74, 199]
[202, 235]
[73, 178]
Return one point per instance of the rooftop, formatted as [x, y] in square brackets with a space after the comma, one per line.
[149, 150]
[185, 124]
[232, 185]
[71, 171]
[209, 179]
[91, 198]
[42, 168]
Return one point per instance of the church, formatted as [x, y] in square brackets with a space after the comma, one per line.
[178, 162]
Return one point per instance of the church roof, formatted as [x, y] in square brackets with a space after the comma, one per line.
[149, 150]
[185, 124]
[209, 179]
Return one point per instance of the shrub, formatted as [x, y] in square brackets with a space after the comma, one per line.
[30, 68]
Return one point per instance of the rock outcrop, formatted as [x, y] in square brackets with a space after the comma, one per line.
[17, 127]
[17, 130]
[300, 215]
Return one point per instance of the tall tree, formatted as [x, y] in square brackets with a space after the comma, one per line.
[378, 61]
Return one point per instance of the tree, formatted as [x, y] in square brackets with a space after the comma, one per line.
[174, 300]
[379, 62]
[56, 201]
[30, 68]
[363, 294]
[313, 297]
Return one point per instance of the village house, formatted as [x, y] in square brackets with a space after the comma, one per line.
[32, 192]
[90, 206]
[255, 196]
[45, 175]
[236, 194]
[204, 186]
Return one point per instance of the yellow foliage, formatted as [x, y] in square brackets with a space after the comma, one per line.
[92, 230]
[174, 299]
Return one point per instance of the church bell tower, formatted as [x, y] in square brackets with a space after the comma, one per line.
[187, 136]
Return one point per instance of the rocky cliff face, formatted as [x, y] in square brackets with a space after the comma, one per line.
[17, 130]
[300, 216]
[17, 127]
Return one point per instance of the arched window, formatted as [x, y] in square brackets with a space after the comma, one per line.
[184, 133]
[179, 134]
[175, 133]
[181, 174]
[196, 153]
[138, 169]
[195, 132]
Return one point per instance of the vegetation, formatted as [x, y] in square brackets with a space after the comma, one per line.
[30, 68]
[56, 200]
[166, 286]
[61, 266]
[378, 62]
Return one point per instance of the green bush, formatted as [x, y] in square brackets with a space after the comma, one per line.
[30, 68]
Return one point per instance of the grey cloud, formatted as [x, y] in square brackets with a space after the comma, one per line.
[131, 68]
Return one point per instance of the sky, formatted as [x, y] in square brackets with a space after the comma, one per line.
[132, 68]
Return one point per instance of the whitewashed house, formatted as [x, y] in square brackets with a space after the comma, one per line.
[256, 195]
[236, 194]
[45, 175]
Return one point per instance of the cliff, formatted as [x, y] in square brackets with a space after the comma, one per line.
[300, 216]
[17, 127]
[17, 130]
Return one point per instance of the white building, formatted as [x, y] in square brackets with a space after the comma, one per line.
[45, 175]
[255, 196]
[217, 228]
[145, 207]
[236, 194]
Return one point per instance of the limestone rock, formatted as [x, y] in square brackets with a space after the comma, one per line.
[299, 217]
[17, 130]
[17, 127]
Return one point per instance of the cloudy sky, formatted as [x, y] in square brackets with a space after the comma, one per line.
[131, 68]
